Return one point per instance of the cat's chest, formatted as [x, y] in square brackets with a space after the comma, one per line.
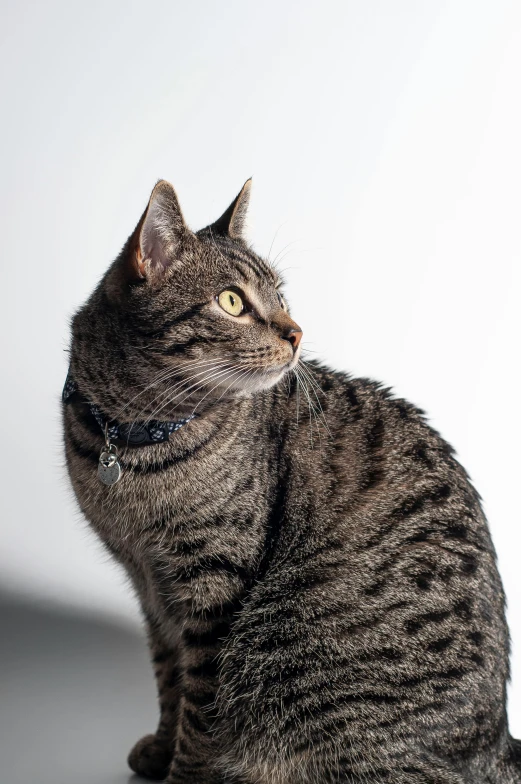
[188, 535]
[157, 503]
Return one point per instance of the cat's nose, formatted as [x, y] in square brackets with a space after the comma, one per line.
[288, 329]
[294, 335]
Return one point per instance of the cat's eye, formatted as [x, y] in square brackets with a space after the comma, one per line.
[231, 302]
[281, 301]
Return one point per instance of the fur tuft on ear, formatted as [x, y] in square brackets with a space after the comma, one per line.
[158, 233]
[232, 222]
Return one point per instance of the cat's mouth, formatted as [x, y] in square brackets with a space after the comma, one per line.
[214, 380]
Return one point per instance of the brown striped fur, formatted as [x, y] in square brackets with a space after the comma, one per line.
[322, 601]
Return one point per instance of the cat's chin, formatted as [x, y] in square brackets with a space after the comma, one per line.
[265, 379]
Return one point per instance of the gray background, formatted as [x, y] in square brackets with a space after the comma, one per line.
[383, 139]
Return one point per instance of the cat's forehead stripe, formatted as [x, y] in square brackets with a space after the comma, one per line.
[257, 265]
[239, 268]
[250, 263]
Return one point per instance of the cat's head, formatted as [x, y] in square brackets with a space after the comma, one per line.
[183, 319]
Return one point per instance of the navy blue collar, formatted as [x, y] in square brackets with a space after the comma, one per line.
[128, 434]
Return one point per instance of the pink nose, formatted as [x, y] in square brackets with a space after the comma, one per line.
[294, 336]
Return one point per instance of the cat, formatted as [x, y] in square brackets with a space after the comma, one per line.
[322, 601]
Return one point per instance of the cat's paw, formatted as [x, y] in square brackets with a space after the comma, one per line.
[150, 758]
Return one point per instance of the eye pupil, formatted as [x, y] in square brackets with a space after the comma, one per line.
[231, 302]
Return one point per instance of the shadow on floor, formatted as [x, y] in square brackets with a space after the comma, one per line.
[76, 694]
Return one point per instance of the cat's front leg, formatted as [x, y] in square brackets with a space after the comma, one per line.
[152, 755]
[196, 751]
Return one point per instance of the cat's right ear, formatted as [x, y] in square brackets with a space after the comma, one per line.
[155, 243]
[232, 221]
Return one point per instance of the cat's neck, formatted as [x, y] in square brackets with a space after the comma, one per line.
[214, 422]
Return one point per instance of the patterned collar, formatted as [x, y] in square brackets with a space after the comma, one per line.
[129, 434]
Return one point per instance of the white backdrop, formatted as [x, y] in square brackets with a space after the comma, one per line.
[384, 142]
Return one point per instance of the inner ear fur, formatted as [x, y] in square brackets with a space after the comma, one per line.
[158, 235]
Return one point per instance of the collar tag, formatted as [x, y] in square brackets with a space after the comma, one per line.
[109, 467]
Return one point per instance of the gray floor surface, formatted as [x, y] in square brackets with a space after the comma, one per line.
[75, 695]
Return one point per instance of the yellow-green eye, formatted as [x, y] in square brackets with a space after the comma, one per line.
[231, 302]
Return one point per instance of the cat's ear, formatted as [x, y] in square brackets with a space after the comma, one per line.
[158, 235]
[233, 221]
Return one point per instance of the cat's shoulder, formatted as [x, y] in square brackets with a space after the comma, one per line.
[362, 391]
[360, 398]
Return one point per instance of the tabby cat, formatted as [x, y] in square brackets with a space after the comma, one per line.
[322, 605]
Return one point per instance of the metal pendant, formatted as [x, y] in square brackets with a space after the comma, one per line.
[109, 467]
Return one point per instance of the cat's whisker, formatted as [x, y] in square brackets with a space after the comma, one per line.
[219, 369]
[194, 388]
[163, 376]
[310, 406]
[222, 375]
[303, 381]
[305, 369]
[218, 384]
[273, 242]
[182, 384]
[297, 390]
[230, 374]
[286, 249]
[180, 371]
[312, 382]
[159, 395]
[316, 390]
[287, 384]
[313, 416]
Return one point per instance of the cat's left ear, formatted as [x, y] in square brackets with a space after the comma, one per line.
[233, 221]
[158, 235]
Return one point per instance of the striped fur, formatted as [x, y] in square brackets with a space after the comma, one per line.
[322, 603]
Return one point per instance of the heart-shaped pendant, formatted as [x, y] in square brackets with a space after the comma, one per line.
[109, 467]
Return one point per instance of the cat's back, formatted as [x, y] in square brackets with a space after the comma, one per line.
[366, 442]
[379, 511]
[380, 601]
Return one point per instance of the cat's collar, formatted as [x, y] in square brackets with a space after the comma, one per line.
[127, 434]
